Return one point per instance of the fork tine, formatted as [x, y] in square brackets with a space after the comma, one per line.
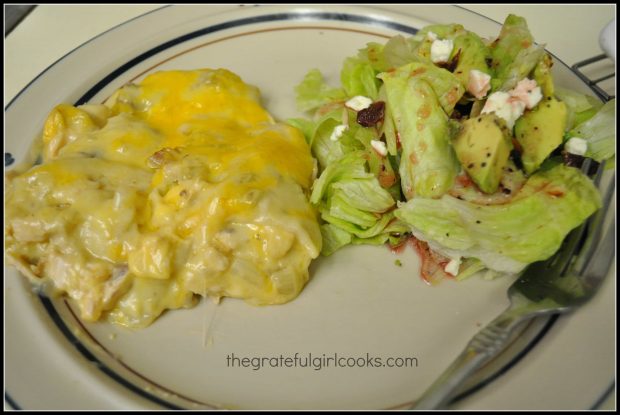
[599, 173]
[594, 272]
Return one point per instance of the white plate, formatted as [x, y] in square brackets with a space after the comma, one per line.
[358, 301]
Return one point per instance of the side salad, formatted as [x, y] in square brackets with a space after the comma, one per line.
[463, 144]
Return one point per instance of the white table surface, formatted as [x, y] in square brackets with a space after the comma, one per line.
[49, 32]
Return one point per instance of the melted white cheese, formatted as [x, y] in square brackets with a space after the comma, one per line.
[179, 186]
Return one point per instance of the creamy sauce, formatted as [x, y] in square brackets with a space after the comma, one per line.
[180, 186]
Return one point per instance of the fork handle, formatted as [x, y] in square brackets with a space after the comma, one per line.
[482, 347]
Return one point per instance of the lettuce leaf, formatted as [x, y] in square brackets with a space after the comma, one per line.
[365, 194]
[531, 227]
[469, 267]
[388, 129]
[428, 164]
[443, 31]
[338, 207]
[396, 52]
[350, 199]
[472, 55]
[374, 54]
[525, 61]
[513, 53]
[334, 238]
[313, 92]
[385, 229]
[579, 107]
[399, 51]
[351, 166]
[358, 77]
[359, 231]
[600, 132]
[327, 150]
[513, 37]
[444, 84]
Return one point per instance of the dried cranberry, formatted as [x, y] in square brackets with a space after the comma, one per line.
[372, 115]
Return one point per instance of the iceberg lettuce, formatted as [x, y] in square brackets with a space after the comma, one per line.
[428, 164]
[600, 132]
[313, 92]
[580, 107]
[351, 200]
[445, 85]
[507, 237]
[334, 238]
[327, 150]
[358, 77]
[522, 64]
[514, 54]
[513, 38]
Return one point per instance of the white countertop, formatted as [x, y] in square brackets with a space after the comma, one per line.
[571, 32]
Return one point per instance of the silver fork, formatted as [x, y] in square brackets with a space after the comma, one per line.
[567, 280]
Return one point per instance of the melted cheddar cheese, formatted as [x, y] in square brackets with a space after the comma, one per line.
[181, 186]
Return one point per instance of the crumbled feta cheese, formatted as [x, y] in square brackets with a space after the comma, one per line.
[379, 147]
[338, 132]
[495, 101]
[441, 50]
[511, 105]
[358, 103]
[576, 145]
[528, 91]
[432, 36]
[479, 83]
[453, 266]
[534, 98]
[505, 107]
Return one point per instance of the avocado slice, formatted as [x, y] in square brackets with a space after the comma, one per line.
[483, 146]
[472, 54]
[540, 131]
